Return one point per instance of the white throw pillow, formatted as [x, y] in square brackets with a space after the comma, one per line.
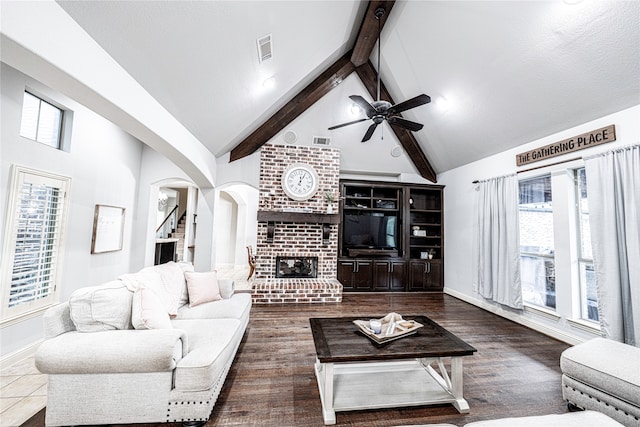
[166, 280]
[148, 310]
[203, 287]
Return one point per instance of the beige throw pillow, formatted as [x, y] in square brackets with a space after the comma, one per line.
[202, 287]
[148, 310]
[101, 308]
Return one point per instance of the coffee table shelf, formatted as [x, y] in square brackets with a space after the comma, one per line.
[355, 374]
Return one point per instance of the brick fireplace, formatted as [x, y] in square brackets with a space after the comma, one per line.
[290, 229]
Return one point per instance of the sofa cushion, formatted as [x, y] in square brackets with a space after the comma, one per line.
[129, 351]
[148, 311]
[226, 288]
[605, 365]
[101, 308]
[202, 287]
[167, 280]
[571, 419]
[212, 345]
[236, 307]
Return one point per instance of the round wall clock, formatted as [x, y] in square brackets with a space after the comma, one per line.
[300, 181]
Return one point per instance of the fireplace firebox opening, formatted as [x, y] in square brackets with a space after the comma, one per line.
[296, 267]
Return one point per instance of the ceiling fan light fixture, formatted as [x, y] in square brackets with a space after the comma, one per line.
[379, 111]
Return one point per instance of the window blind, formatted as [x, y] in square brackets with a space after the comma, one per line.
[32, 253]
[38, 228]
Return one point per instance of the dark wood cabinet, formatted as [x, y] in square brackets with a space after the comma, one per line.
[165, 251]
[389, 275]
[425, 275]
[355, 275]
[390, 237]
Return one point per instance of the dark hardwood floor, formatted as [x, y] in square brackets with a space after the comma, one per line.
[515, 371]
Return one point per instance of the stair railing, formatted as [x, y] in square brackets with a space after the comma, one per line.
[168, 224]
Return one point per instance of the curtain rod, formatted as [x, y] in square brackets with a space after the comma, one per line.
[540, 167]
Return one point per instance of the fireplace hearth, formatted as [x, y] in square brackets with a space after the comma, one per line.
[296, 267]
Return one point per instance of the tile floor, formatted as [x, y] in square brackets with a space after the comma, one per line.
[23, 390]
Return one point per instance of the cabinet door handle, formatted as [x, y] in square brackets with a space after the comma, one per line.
[390, 268]
[427, 267]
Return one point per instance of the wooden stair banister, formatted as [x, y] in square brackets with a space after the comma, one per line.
[167, 218]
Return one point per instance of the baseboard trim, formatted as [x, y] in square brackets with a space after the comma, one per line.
[19, 355]
[530, 323]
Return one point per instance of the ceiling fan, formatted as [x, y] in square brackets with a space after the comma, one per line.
[379, 111]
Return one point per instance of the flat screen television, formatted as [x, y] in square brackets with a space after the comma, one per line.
[370, 231]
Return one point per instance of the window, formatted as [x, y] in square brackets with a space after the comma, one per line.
[35, 224]
[41, 121]
[537, 266]
[588, 294]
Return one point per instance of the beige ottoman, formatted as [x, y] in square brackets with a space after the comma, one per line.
[603, 375]
[571, 419]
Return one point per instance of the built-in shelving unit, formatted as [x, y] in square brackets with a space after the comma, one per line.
[391, 236]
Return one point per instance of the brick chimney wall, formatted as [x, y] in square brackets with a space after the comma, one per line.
[297, 239]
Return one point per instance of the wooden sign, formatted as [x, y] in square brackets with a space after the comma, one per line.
[580, 142]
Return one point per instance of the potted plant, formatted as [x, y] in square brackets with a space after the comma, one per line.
[330, 197]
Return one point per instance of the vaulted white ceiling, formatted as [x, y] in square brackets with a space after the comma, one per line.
[512, 71]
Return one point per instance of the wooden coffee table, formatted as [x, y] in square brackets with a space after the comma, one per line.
[354, 373]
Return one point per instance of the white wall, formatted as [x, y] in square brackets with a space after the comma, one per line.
[459, 207]
[103, 164]
[68, 60]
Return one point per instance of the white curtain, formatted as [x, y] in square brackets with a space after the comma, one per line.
[613, 186]
[497, 249]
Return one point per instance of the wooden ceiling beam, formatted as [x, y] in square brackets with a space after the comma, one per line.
[358, 60]
[368, 34]
[323, 84]
[408, 141]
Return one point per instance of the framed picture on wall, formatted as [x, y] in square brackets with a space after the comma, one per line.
[108, 229]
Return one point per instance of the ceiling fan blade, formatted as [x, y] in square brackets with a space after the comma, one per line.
[362, 103]
[403, 123]
[367, 136]
[409, 104]
[347, 124]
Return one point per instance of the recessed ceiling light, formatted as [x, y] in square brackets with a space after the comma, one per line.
[355, 109]
[269, 83]
[442, 103]
[396, 151]
[572, 1]
[290, 137]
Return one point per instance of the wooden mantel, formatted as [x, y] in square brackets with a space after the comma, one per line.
[301, 217]
[271, 217]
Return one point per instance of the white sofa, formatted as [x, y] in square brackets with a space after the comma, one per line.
[153, 346]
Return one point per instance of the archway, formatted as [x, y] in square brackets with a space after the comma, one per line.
[235, 224]
[172, 221]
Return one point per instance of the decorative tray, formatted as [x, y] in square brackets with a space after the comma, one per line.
[393, 327]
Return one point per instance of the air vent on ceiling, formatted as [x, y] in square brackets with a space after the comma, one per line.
[265, 48]
[321, 140]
